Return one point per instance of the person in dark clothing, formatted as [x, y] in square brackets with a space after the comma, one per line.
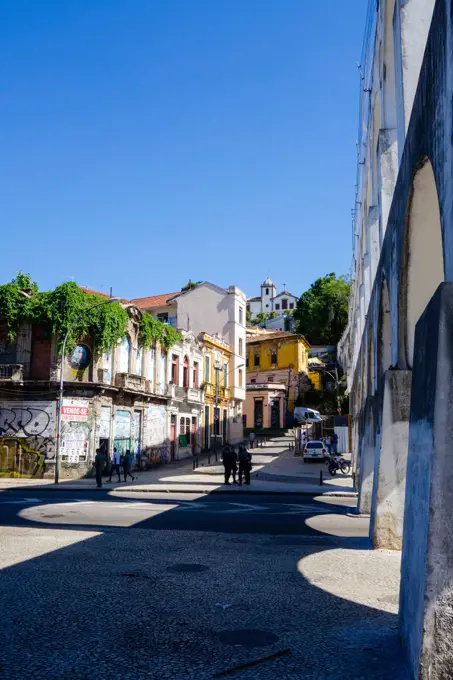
[245, 465]
[127, 464]
[228, 462]
[99, 463]
[234, 464]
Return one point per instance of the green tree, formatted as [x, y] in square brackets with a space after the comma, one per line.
[272, 315]
[322, 311]
[190, 284]
[261, 317]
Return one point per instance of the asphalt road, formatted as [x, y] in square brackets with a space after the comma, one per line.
[270, 514]
[103, 585]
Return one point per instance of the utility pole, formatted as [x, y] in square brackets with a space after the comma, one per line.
[216, 408]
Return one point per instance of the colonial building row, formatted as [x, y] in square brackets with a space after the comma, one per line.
[161, 403]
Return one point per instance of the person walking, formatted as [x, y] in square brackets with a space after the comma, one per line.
[329, 444]
[227, 460]
[127, 464]
[245, 465]
[334, 443]
[251, 439]
[99, 462]
[115, 465]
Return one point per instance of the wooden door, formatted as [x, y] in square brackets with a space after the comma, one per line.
[193, 435]
[172, 438]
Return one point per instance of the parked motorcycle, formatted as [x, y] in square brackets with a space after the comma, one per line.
[335, 463]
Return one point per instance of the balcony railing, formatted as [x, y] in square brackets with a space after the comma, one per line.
[128, 381]
[190, 394]
[224, 392]
[13, 372]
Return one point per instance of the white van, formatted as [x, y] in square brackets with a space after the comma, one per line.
[306, 415]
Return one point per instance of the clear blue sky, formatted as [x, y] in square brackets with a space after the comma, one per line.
[147, 142]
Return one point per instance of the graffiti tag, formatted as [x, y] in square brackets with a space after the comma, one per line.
[27, 420]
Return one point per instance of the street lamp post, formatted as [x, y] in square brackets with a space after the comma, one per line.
[217, 367]
[60, 391]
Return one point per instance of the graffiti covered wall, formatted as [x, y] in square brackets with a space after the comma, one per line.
[27, 437]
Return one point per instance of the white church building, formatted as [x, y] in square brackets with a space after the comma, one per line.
[269, 301]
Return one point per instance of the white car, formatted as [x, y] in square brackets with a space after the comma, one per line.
[314, 451]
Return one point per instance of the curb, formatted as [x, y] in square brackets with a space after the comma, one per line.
[217, 492]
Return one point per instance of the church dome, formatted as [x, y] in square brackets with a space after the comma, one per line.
[268, 282]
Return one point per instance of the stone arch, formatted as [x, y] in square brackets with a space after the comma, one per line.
[384, 335]
[422, 259]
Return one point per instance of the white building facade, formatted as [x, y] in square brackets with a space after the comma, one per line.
[220, 312]
[269, 301]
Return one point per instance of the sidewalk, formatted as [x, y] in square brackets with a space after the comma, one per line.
[275, 471]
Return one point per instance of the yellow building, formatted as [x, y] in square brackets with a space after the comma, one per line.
[217, 421]
[274, 357]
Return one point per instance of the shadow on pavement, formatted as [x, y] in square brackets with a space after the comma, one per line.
[181, 601]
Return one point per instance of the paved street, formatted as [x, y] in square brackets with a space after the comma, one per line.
[205, 585]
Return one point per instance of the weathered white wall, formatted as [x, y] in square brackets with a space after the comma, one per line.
[425, 251]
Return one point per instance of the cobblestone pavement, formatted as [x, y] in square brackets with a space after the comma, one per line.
[179, 605]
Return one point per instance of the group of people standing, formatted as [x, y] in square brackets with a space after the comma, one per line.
[239, 463]
[117, 462]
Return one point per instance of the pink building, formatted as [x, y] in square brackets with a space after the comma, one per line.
[265, 405]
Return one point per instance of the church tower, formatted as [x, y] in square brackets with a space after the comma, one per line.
[268, 292]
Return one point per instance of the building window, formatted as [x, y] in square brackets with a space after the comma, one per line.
[270, 378]
[241, 316]
[267, 305]
[277, 306]
[182, 426]
[216, 423]
[285, 304]
[125, 356]
[185, 373]
[163, 317]
[195, 375]
[139, 360]
[257, 360]
[240, 378]
[248, 308]
[253, 381]
[162, 372]
[273, 356]
[241, 347]
[225, 375]
[175, 369]
[291, 305]
[267, 291]
[247, 361]
[207, 369]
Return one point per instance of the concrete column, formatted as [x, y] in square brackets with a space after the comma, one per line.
[387, 173]
[374, 240]
[367, 456]
[367, 285]
[426, 598]
[387, 511]
[411, 26]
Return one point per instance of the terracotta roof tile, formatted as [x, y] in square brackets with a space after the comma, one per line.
[155, 300]
[97, 292]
